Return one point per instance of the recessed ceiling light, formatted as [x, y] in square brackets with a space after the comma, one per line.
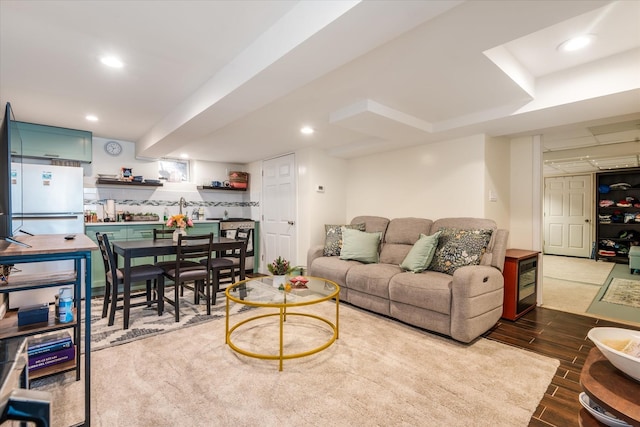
[91, 118]
[111, 61]
[307, 130]
[576, 43]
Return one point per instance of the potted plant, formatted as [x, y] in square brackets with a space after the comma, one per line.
[279, 268]
[180, 222]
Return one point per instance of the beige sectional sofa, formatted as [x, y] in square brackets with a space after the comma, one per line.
[462, 305]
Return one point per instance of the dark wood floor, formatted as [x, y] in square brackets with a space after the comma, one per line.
[562, 336]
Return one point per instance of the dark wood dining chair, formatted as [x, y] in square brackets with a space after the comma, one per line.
[188, 271]
[216, 265]
[114, 284]
[246, 235]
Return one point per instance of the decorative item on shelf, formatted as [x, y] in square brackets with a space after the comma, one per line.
[279, 268]
[127, 174]
[181, 222]
[238, 179]
[4, 274]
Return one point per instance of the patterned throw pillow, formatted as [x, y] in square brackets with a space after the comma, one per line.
[457, 248]
[333, 237]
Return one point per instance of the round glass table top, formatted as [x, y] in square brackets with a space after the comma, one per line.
[261, 292]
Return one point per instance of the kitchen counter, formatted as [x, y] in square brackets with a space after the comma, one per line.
[195, 221]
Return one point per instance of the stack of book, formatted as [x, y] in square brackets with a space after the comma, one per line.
[50, 349]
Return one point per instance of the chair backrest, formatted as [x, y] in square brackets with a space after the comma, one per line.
[245, 234]
[107, 255]
[160, 233]
[193, 248]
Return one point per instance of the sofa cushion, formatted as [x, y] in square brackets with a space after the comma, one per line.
[373, 223]
[401, 235]
[421, 254]
[466, 223]
[457, 248]
[360, 246]
[333, 237]
[372, 279]
[332, 268]
[428, 290]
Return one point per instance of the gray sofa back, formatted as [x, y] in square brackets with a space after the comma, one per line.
[400, 234]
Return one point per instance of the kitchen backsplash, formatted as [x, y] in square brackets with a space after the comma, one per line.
[214, 207]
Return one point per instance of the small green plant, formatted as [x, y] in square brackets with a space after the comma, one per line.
[279, 267]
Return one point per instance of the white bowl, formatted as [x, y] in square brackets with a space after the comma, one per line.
[610, 341]
[599, 413]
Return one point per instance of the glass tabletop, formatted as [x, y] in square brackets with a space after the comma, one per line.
[260, 291]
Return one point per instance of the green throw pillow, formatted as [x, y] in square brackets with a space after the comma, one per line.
[457, 248]
[333, 237]
[421, 254]
[360, 246]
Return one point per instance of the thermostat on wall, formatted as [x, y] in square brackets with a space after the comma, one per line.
[320, 188]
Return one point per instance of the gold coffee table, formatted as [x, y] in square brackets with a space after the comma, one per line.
[260, 292]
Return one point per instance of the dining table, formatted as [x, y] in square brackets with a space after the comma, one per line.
[158, 247]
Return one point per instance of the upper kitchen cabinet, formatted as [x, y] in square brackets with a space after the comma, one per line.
[49, 142]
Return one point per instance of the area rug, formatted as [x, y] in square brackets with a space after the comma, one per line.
[582, 270]
[623, 292]
[618, 305]
[379, 372]
[144, 322]
[567, 296]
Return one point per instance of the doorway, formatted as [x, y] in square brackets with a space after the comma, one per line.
[568, 202]
[279, 208]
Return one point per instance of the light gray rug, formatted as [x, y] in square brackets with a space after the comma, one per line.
[145, 322]
[379, 372]
[572, 269]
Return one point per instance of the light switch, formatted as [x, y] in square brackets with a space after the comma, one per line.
[493, 197]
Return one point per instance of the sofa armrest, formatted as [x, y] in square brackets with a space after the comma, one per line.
[314, 252]
[476, 301]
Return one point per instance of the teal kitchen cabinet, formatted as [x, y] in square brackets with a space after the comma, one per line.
[49, 142]
[142, 232]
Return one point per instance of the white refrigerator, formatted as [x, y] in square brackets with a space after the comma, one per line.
[45, 199]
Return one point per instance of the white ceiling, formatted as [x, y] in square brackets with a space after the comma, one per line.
[233, 81]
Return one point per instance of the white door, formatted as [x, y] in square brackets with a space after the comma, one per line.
[567, 215]
[279, 209]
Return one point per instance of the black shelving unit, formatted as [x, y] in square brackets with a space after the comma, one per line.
[617, 225]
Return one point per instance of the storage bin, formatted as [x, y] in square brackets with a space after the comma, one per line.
[238, 179]
[33, 314]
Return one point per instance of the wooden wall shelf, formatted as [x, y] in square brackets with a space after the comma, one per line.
[207, 188]
[129, 183]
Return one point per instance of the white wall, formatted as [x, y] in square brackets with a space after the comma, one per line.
[526, 197]
[497, 181]
[444, 179]
[316, 208]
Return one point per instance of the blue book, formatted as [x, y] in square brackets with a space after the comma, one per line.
[48, 340]
[51, 347]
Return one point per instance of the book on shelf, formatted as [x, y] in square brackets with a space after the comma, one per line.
[49, 342]
[43, 360]
[60, 345]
